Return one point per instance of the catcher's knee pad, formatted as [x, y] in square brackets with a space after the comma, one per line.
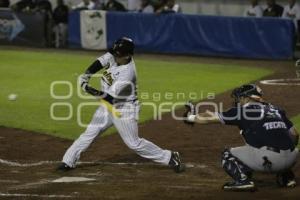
[234, 167]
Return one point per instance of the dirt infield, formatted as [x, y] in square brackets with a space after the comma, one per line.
[28, 160]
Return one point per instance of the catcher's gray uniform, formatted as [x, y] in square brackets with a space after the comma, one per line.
[265, 159]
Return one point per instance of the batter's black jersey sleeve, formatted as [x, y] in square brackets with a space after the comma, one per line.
[94, 67]
[261, 125]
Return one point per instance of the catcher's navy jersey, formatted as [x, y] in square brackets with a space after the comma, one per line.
[261, 124]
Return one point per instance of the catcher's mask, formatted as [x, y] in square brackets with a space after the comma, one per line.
[250, 90]
[123, 47]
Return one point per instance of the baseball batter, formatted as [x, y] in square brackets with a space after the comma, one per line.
[119, 107]
[270, 137]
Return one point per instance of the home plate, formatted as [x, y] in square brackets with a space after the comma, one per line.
[72, 179]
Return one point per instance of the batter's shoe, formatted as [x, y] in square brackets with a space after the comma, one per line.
[239, 186]
[175, 163]
[63, 167]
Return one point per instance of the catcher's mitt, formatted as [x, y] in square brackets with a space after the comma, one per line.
[189, 110]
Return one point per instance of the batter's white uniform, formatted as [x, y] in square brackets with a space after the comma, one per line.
[117, 81]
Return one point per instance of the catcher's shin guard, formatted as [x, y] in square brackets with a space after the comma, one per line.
[234, 167]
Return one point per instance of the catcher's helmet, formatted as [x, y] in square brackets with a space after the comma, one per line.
[249, 90]
[123, 47]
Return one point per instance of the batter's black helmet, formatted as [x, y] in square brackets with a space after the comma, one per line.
[123, 47]
[249, 90]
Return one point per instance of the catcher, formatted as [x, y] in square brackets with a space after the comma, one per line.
[270, 137]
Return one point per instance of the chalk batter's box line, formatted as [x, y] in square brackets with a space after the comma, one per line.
[53, 196]
[281, 82]
[17, 164]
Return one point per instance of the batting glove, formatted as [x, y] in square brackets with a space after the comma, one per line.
[84, 81]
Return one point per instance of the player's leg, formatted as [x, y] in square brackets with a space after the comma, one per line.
[128, 129]
[286, 177]
[100, 122]
[267, 160]
[270, 160]
[237, 170]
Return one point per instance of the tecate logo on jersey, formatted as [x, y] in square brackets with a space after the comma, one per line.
[274, 125]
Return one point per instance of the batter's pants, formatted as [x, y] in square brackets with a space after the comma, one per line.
[127, 127]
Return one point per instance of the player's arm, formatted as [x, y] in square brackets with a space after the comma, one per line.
[99, 94]
[294, 135]
[92, 69]
[121, 87]
[207, 117]
[85, 78]
[118, 90]
[290, 126]
[105, 98]
[228, 117]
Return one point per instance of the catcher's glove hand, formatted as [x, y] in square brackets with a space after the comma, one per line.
[189, 110]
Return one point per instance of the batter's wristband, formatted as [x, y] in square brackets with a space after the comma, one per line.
[100, 94]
